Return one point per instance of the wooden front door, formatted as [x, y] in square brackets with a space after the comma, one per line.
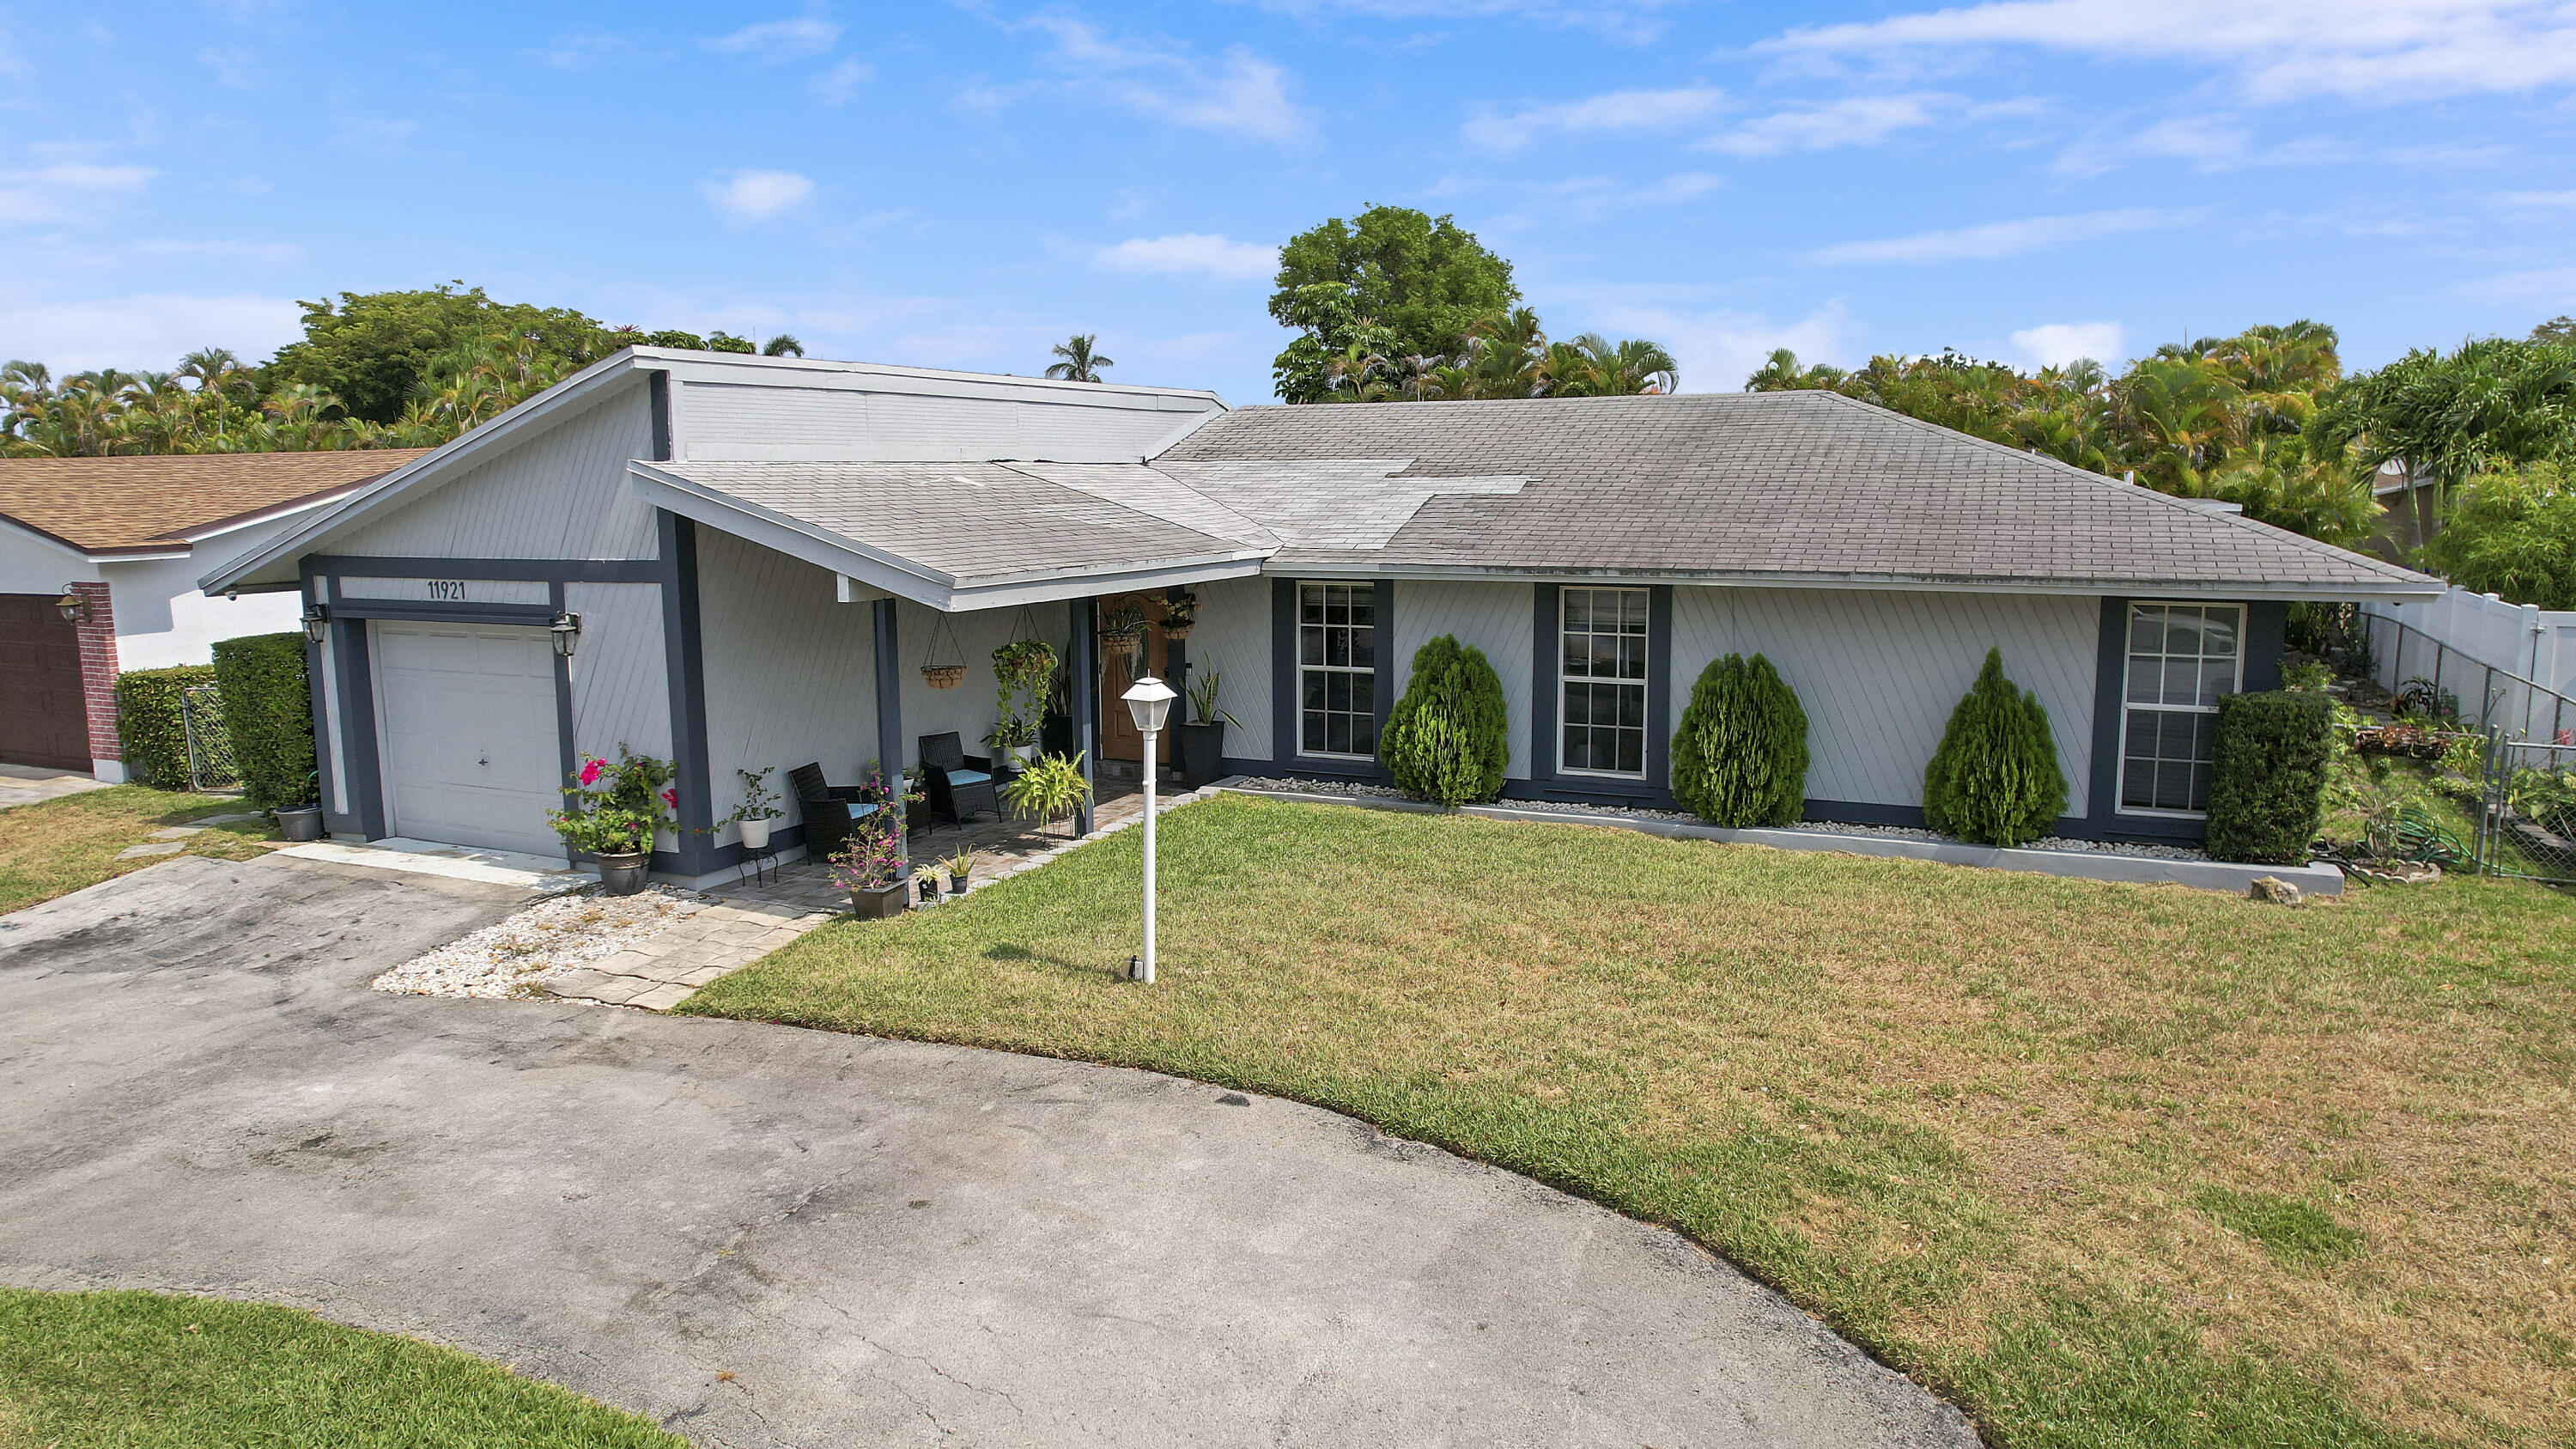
[1118, 737]
[44, 718]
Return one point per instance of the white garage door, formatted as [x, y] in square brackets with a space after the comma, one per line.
[470, 746]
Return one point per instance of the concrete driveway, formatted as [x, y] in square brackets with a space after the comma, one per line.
[766, 1236]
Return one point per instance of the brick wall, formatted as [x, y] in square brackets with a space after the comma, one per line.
[98, 670]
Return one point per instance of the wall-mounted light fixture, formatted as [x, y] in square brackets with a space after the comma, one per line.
[74, 608]
[566, 630]
[317, 622]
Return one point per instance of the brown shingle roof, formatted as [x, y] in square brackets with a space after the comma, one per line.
[151, 503]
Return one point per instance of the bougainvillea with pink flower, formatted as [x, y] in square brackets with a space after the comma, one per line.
[614, 808]
[873, 857]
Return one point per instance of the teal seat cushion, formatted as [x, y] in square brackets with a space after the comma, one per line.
[968, 777]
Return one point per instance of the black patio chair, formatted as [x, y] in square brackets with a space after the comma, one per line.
[828, 809]
[959, 783]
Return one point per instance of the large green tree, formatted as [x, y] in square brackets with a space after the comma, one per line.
[1424, 280]
[370, 350]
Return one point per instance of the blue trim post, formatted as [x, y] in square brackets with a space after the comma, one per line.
[1544, 669]
[318, 688]
[889, 663]
[1283, 675]
[2110, 696]
[1383, 631]
[684, 675]
[1082, 667]
[358, 725]
[563, 696]
[1659, 688]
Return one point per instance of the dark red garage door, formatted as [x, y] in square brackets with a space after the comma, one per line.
[43, 720]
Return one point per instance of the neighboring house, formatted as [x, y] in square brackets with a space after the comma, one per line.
[761, 554]
[128, 537]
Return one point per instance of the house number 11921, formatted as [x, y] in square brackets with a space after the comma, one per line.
[446, 589]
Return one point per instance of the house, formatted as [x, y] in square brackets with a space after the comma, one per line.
[127, 538]
[742, 562]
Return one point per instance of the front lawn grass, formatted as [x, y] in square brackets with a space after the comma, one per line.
[55, 847]
[2104, 1164]
[153, 1371]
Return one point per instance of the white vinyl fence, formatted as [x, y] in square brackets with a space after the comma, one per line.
[2486, 654]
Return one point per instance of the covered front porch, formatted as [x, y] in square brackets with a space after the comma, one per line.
[857, 633]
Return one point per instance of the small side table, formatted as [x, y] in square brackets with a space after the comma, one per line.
[762, 863]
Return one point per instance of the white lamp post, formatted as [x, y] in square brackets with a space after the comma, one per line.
[1150, 701]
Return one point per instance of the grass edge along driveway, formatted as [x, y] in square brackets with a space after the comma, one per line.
[2104, 1164]
[54, 847]
[139, 1370]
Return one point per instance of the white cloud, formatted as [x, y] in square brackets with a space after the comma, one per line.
[2537, 200]
[1857, 121]
[11, 62]
[263, 254]
[1719, 348]
[1611, 113]
[2055, 344]
[2553, 288]
[1219, 257]
[149, 331]
[843, 81]
[1238, 92]
[2004, 238]
[1631, 21]
[1589, 198]
[376, 135]
[70, 191]
[2375, 49]
[747, 196]
[779, 39]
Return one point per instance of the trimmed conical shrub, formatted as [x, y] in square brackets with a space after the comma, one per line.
[1449, 738]
[1995, 778]
[1740, 755]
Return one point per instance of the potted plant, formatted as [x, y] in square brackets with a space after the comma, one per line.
[869, 864]
[1180, 613]
[957, 868]
[1050, 789]
[303, 821]
[928, 878]
[759, 809]
[1203, 737]
[613, 811]
[1015, 737]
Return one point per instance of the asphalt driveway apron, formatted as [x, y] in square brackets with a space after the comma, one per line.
[767, 1236]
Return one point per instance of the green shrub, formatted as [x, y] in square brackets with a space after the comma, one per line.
[1740, 755]
[2268, 775]
[1995, 778]
[149, 725]
[268, 709]
[1449, 738]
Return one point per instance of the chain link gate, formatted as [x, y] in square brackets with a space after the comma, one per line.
[2527, 814]
[210, 745]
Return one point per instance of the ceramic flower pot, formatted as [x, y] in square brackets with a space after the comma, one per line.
[300, 822]
[881, 903]
[622, 874]
[755, 834]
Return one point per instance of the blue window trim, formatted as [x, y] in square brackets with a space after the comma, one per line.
[1284, 734]
[1546, 781]
[2266, 633]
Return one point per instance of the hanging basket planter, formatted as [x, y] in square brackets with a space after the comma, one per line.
[943, 668]
[1122, 626]
[1178, 631]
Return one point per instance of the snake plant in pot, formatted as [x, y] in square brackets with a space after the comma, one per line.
[1203, 735]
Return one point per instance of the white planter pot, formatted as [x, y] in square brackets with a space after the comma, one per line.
[665, 841]
[755, 834]
[1024, 753]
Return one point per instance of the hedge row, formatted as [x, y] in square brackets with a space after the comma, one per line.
[268, 707]
[2268, 775]
[1449, 738]
[149, 724]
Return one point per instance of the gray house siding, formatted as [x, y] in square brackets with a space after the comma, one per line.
[970, 709]
[1233, 638]
[789, 674]
[561, 494]
[1490, 617]
[619, 695]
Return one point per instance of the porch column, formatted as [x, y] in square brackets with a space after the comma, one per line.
[890, 724]
[1083, 664]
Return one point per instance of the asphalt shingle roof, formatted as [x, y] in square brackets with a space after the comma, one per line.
[1769, 485]
[152, 503]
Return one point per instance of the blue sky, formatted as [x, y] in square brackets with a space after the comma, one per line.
[960, 185]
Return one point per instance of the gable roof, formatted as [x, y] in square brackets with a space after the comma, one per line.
[1780, 487]
[161, 504]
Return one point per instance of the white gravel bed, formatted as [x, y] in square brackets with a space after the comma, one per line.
[1684, 817]
[555, 935]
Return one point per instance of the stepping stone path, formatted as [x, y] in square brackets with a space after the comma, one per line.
[167, 847]
[668, 967]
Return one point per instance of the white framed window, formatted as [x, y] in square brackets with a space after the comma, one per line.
[2182, 657]
[1337, 670]
[1601, 723]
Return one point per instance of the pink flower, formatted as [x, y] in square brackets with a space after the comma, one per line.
[671, 798]
[590, 772]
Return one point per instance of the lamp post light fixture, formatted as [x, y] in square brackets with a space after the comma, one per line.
[1150, 701]
[73, 608]
[317, 622]
[566, 632]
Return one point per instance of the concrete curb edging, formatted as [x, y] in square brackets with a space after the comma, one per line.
[2311, 879]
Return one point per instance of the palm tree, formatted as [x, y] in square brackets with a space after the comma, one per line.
[1080, 363]
[1630, 366]
[783, 345]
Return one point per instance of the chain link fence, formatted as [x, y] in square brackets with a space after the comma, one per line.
[210, 745]
[2527, 816]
